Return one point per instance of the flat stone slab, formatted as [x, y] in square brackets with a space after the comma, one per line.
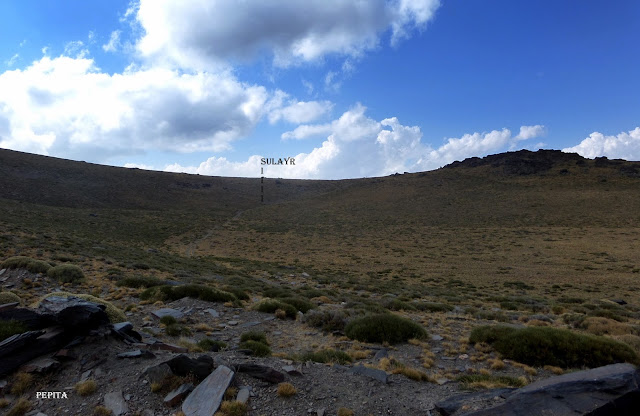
[177, 395]
[612, 389]
[371, 373]
[116, 403]
[243, 395]
[41, 365]
[136, 354]
[174, 313]
[7, 306]
[213, 313]
[206, 398]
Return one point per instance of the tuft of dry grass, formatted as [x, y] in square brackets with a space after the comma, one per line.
[21, 383]
[286, 390]
[496, 364]
[101, 411]
[343, 411]
[597, 325]
[230, 393]
[21, 407]
[554, 370]
[85, 388]
[4, 403]
[232, 408]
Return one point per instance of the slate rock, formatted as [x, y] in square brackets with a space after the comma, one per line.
[452, 404]
[371, 373]
[7, 306]
[116, 403]
[260, 372]
[243, 395]
[610, 390]
[74, 314]
[177, 395]
[182, 365]
[136, 354]
[381, 353]
[41, 365]
[160, 313]
[291, 370]
[213, 313]
[157, 373]
[206, 398]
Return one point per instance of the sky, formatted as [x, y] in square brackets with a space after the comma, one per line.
[348, 89]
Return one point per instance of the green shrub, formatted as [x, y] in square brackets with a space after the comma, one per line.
[171, 293]
[398, 305]
[237, 292]
[384, 328]
[271, 305]
[115, 315]
[9, 297]
[326, 356]
[175, 330]
[257, 348]
[254, 336]
[433, 307]
[300, 304]
[277, 292]
[23, 262]
[168, 320]
[539, 346]
[326, 320]
[211, 344]
[66, 273]
[139, 282]
[11, 327]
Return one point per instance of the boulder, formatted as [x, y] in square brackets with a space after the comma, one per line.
[157, 373]
[76, 314]
[452, 404]
[206, 398]
[116, 403]
[608, 390]
[136, 354]
[373, 373]
[183, 365]
[174, 313]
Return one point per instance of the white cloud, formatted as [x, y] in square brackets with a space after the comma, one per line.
[359, 146]
[12, 60]
[298, 112]
[66, 106]
[74, 49]
[197, 34]
[114, 42]
[308, 86]
[625, 145]
[531, 132]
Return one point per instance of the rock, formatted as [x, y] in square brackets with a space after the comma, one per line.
[3, 385]
[243, 395]
[206, 398]
[612, 389]
[125, 331]
[260, 372]
[213, 313]
[436, 338]
[174, 313]
[75, 314]
[442, 381]
[452, 404]
[304, 274]
[115, 402]
[183, 365]
[232, 323]
[41, 365]
[65, 355]
[136, 354]
[85, 376]
[380, 354]
[7, 306]
[157, 373]
[292, 371]
[321, 412]
[620, 302]
[249, 324]
[2, 271]
[176, 396]
[158, 345]
[371, 373]
[21, 348]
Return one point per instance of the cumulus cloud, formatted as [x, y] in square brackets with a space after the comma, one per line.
[197, 34]
[66, 106]
[359, 146]
[530, 132]
[625, 145]
[298, 112]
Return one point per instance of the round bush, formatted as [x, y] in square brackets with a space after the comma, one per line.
[9, 297]
[23, 262]
[66, 273]
[271, 305]
[384, 328]
[257, 348]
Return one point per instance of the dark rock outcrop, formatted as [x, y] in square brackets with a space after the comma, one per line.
[182, 365]
[610, 390]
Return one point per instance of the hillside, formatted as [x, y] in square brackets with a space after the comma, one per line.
[533, 239]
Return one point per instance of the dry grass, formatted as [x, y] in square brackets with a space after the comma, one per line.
[343, 411]
[21, 383]
[232, 408]
[101, 411]
[85, 388]
[286, 390]
[21, 407]
[4, 403]
[554, 370]
[604, 326]
[496, 364]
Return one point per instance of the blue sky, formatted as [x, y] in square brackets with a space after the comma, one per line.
[350, 89]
